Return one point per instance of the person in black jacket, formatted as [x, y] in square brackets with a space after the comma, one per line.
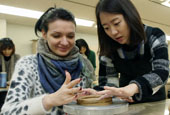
[134, 61]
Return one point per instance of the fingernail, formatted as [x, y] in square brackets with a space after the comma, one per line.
[66, 71]
[86, 93]
[80, 79]
[75, 96]
[80, 88]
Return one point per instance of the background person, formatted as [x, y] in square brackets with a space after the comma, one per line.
[8, 57]
[42, 83]
[137, 51]
[86, 51]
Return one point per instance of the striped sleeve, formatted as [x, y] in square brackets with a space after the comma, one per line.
[160, 65]
[107, 73]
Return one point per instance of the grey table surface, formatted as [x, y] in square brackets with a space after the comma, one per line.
[150, 108]
[121, 108]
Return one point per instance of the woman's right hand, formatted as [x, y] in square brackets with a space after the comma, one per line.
[64, 95]
[124, 93]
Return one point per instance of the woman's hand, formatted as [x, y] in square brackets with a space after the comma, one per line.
[64, 95]
[89, 91]
[124, 93]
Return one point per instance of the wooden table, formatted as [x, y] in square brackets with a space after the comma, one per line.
[3, 89]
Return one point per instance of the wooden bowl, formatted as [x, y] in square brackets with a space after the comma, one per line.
[93, 100]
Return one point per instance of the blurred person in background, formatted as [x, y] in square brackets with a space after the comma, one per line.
[8, 57]
[86, 51]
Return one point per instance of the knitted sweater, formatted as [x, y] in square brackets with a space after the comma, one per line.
[26, 92]
[149, 82]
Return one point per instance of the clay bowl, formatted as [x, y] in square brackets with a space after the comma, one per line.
[93, 100]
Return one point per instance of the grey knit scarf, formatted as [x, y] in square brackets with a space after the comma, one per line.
[74, 55]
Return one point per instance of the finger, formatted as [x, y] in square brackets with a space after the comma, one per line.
[89, 91]
[102, 92]
[81, 94]
[68, 78]
[115, 91]
[129, 99]
[73, 83]
[70, 99]
[74, 90]
[109, 88]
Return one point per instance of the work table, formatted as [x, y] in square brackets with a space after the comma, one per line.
[150, 108]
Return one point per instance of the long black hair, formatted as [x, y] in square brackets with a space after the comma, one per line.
[82, 43]
[125, 7]
[51, 15]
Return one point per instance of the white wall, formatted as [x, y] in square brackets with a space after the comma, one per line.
[2, 28]
[164, 28]
[22, 36]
